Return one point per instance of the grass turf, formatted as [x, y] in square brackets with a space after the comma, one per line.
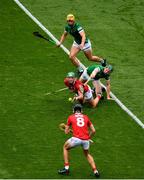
[30, 141]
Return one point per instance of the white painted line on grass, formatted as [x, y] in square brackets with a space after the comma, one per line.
[135, 118]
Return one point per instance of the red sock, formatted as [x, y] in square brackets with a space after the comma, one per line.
[66, 165]
[99, 97]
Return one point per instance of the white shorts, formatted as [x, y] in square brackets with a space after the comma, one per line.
[86, 47]
[84, 75]
[88, 95]
[73, 141]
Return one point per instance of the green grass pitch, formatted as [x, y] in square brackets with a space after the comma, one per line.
[30, 140]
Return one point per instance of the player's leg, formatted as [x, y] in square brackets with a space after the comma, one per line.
[98, 91]
[66, 149]
[88, 96]
[94, 102]
[91, 162]
[85, 145]
[88, 53]
[70, 143]
[73, 52]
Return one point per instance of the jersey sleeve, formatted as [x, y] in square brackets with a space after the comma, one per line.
[97, 69]
[66, 29]
[79, 28]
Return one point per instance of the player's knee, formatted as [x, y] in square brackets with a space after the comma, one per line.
[93, 105]
[90, 57]
[86, 153]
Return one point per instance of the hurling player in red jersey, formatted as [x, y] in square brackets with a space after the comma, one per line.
[80, 124]
[83, 92]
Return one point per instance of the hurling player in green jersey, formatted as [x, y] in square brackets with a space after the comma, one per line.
[96, 72]
[81, 42]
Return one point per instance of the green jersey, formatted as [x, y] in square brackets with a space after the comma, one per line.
[100, 74]
[75, 30]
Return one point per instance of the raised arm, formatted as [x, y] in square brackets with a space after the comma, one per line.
[92, 75]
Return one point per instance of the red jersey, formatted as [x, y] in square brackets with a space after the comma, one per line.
[80, 124]
[76, 86]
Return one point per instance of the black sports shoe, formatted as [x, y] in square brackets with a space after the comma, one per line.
[63, 171]
[97, 175]
[104, 63]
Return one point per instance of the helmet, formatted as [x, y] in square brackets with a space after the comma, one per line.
[110, 67]
[71, 74]
[77, 107]
[70, 17]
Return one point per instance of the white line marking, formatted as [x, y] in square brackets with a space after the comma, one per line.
[135, 118]
[59, 90]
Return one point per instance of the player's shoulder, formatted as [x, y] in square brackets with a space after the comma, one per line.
[67, 27]
[71, 116]
[97, 66]
[78, 82]
[78, 26]
[85, 116]
[100, 67]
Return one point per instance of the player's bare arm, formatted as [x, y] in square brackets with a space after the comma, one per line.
[62, 38]
[80, 95]
[93, 74]
[108, 89]
[67, 129]
[92, 130]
